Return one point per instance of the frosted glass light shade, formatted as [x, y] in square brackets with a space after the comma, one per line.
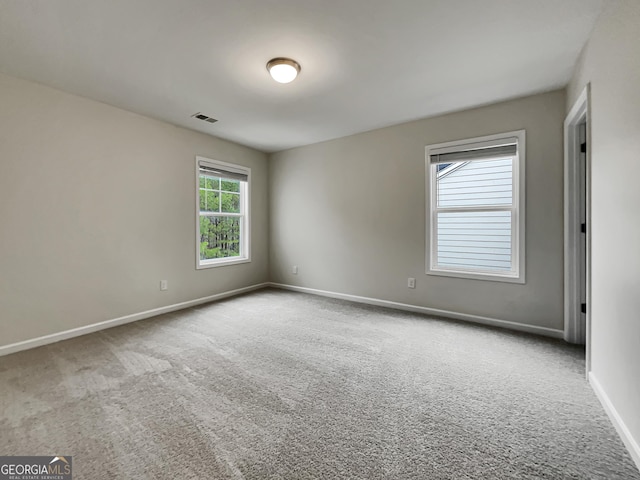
[283, 70]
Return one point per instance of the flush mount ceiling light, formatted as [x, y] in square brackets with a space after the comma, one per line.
[283, 70]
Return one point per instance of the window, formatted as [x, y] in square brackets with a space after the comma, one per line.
[222, 224]
[477, 208]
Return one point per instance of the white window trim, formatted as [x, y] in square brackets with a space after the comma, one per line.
[245, 226]
[518, 227]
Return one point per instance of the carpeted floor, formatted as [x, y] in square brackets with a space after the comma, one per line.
[276, 384]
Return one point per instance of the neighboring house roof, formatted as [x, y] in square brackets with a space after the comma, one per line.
[445, 169]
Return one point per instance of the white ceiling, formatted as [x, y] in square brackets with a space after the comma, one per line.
[365, 63]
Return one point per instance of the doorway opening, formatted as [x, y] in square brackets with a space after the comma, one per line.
[577, 228]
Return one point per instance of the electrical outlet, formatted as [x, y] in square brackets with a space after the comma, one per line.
[164, 285]
[294, 269]
[411, 282]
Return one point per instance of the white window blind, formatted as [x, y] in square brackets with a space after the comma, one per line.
[229, 173]
[475, 208]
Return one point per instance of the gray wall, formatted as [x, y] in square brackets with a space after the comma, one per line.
[97, 206]
[611, 63]
[351, 214]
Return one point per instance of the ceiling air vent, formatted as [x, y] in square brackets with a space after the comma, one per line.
[200, 116]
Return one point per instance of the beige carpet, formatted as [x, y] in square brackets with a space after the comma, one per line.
[284, 385]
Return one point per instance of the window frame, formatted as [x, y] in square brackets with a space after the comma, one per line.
[517, 274]
[244, 215]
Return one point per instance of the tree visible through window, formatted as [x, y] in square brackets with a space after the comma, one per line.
[222, 213]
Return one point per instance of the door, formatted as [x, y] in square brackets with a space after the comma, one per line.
[582, 247]
[577, 228]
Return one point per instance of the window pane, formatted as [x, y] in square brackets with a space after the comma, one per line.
[231, 202]
[231, 185]
[474, 241]
[212, 182]
[219, 237]
[474, 183]
[209, 201]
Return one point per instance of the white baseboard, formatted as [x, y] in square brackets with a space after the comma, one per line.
[76, 332]
[632, 445]
[547, 332]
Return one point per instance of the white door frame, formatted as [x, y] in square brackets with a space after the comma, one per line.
[574, 329]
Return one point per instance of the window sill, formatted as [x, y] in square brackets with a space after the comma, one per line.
[222, 262]
[491, 277]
